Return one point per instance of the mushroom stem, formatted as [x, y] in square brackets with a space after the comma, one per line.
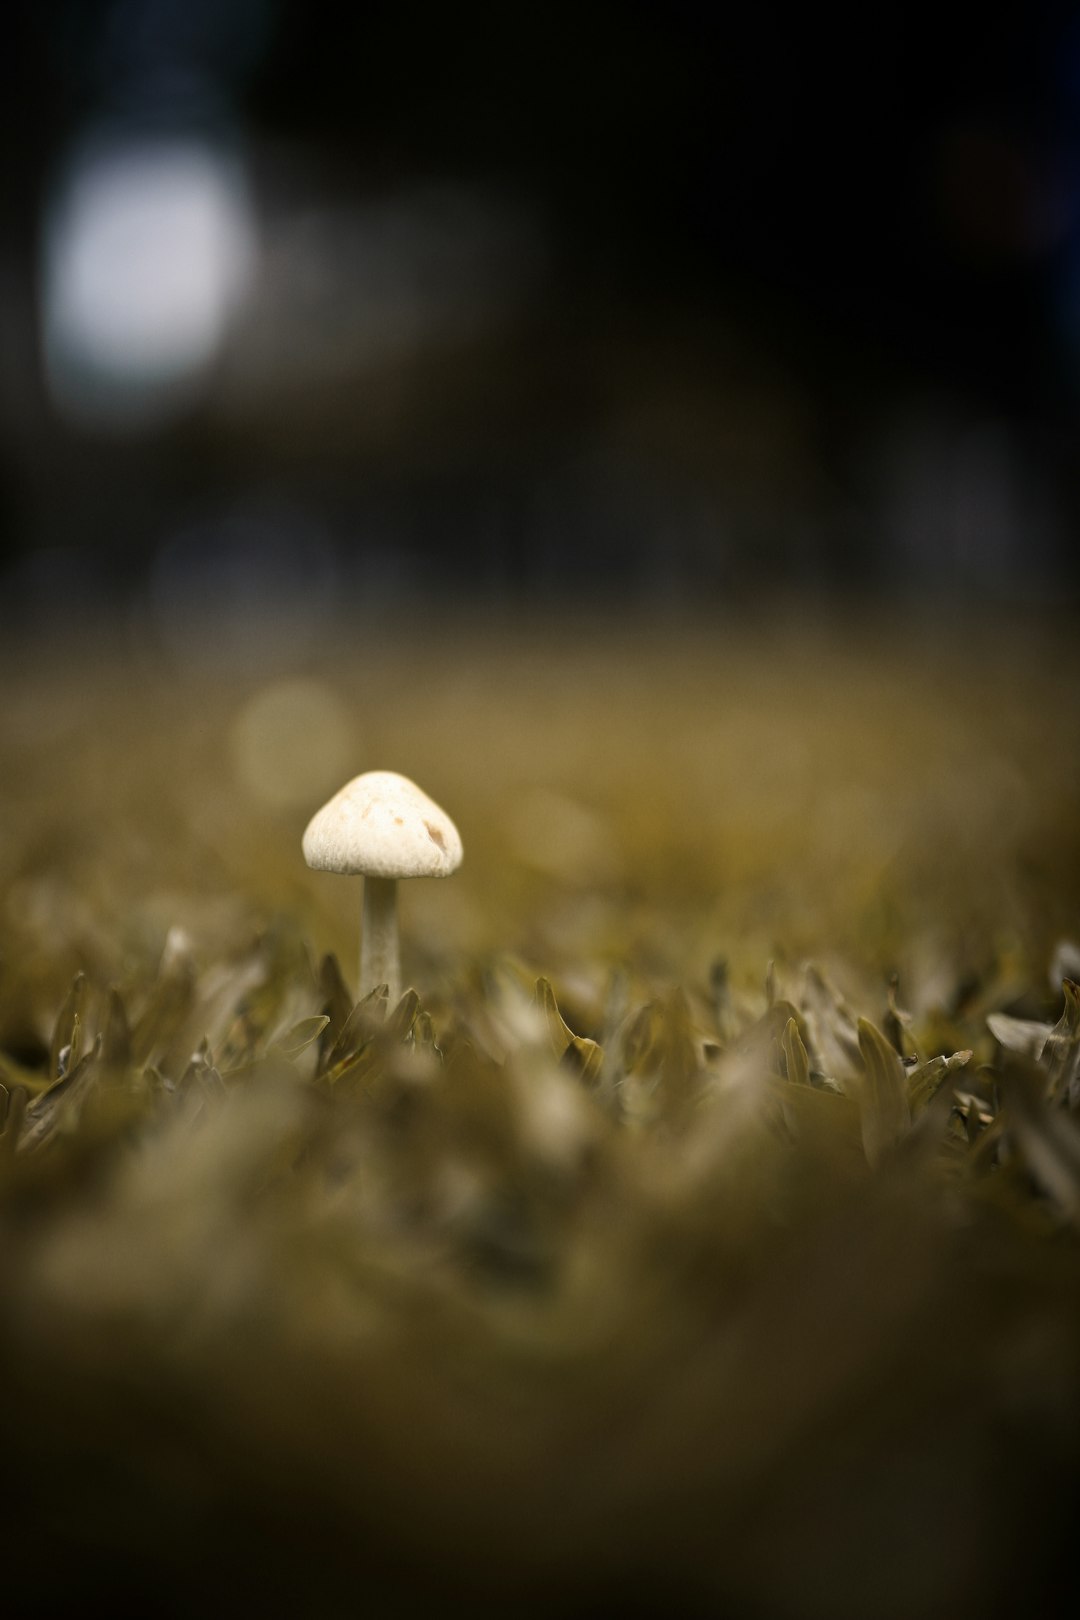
[379, 959]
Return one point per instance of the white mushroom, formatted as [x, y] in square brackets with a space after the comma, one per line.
[381, 826]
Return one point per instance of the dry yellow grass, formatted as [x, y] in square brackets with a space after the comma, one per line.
[681, 1289]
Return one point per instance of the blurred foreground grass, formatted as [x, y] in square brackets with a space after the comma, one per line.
[700, 1237]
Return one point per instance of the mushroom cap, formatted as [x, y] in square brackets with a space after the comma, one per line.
[382, 825]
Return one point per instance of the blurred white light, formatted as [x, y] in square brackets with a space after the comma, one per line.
[148, 250]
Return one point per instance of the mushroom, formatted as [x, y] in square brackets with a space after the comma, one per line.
[382, 827]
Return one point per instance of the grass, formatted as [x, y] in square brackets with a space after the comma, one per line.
[700, 1234]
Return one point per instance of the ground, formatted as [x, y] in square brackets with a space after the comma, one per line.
[698, 1234]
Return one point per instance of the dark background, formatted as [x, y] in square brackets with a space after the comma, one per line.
[636, 303]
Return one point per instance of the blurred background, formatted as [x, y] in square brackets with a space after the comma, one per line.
[311, 316]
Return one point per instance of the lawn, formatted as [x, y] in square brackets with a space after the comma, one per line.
[698, 1234]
